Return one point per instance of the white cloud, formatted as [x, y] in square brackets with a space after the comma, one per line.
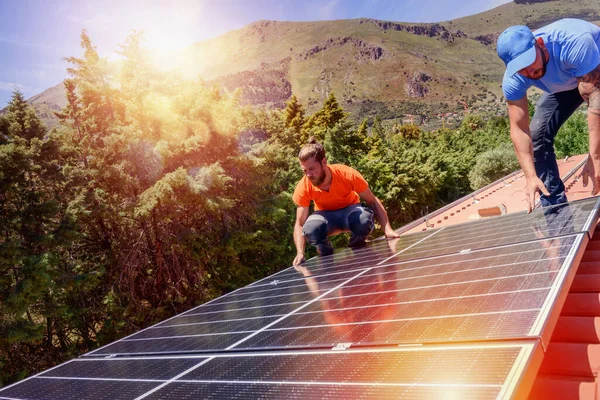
[11, 86]
[35, 73]
[28, 44]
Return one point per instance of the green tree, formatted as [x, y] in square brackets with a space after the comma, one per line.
[572, 138]
[493, 165]
[34, 226]
[330, 114]
[471, 123]
[293, 115]
[409, 131]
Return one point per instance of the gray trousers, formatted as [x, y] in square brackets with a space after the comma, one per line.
[323, 223]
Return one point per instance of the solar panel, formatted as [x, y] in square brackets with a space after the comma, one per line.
[496, 293]
[482, 371]
[320, 330]
[486, 294]
[520, 227]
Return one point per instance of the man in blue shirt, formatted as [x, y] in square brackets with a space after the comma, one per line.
[563, 60]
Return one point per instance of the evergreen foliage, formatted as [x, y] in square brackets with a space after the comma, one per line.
[493, 165]
[572, 138]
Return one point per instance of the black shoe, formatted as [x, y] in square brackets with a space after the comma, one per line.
[357, 242]
[325, 249]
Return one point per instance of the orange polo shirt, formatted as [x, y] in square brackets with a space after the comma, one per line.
[346, 183]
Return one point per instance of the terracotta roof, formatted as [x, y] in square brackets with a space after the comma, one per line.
[508, 192]
[572, 360]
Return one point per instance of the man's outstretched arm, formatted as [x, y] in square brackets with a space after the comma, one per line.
[589, 88]
[380, 213]
[301, 217]
[518, 113]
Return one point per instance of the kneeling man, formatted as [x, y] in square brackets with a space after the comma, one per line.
[336, 190]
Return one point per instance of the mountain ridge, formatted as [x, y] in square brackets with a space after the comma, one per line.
[392, 69]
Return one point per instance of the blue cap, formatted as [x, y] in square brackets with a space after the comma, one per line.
[516, 47]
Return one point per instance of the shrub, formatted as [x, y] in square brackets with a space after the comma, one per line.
[493, 165]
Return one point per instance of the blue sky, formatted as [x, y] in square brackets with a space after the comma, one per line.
[36, 35]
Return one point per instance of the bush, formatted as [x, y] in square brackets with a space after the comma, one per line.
[493, 165]
[572, 138]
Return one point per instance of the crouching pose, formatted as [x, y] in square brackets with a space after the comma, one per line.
[337, 191]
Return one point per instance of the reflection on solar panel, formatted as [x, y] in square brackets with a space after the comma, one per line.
[478, 299]
[475, 371]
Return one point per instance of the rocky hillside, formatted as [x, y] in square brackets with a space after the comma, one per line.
[374, 67]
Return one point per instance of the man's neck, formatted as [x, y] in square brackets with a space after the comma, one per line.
[327, 182]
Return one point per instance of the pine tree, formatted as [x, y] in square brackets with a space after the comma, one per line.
[294, 114]
[33, 223]
[330, 114]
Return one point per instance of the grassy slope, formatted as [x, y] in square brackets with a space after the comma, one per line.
[460, 70]
[533, 15]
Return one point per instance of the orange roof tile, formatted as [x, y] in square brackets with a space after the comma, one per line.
[508, 192]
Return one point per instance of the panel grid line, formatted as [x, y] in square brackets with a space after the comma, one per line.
[556, 287]
[174, 379]
[409, 319]
[440, 284]
[321, 296]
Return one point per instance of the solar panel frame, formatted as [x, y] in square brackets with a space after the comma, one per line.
[497, 370]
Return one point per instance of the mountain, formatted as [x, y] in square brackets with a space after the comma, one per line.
[374, 67]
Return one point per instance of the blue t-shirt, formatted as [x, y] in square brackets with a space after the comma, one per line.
[573, 46]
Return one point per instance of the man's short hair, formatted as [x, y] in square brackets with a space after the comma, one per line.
[312, 149]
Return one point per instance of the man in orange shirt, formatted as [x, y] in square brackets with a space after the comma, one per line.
[336, 190]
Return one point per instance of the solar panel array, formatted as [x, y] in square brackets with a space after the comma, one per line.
[462, 311]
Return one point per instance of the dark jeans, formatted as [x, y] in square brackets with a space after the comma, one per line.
[321, 224]
[551, 111]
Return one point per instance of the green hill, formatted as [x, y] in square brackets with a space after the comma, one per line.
[374, 67]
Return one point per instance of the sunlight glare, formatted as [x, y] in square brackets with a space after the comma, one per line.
[169, 28]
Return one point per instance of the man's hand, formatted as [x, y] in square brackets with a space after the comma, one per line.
[303, 270]
[589, 88]
[299, 242]
[299, 259]
[533, 186]
[591, 170]
[390, 233]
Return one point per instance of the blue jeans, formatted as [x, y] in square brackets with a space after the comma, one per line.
[551, 111]
[323, 223]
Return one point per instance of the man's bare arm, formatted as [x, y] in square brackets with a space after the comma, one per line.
[518, 113]
[301, 216]
[379, 211]
[589, 88]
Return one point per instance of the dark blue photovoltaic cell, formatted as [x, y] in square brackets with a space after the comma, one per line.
[543, 223]
[148, 368]
[215, 316]
[468, 373]
[247, 325]
[289, 291]
[66, 389]
[458, 297]
[170, 345]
